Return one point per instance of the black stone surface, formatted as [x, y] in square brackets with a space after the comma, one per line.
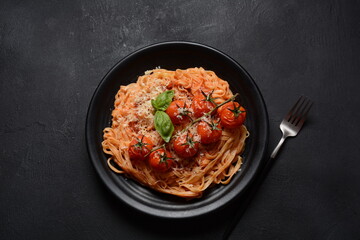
[53, 54]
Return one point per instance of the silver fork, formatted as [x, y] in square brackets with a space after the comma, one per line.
[293, 121]
[290, 127]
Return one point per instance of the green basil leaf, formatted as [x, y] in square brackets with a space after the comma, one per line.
[163, 100]
[163, 125]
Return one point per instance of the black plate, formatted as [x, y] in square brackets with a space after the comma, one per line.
[173, 55]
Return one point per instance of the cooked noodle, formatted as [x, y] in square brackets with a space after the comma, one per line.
[133, 116]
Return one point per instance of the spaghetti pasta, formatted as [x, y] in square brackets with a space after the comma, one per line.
[133, 116]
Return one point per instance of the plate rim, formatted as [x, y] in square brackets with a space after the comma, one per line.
[163, 213]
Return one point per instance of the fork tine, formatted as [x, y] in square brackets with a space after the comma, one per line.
[290, 113]
[301, 111]
[298, 110]
[303, 118]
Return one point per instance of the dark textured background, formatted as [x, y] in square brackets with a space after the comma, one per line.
[53, 54]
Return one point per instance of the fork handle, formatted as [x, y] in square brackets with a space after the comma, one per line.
[277, 148]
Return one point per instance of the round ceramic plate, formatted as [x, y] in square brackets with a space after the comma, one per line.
[172, 56]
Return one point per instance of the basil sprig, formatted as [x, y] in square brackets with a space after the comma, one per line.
[163, 100]
[162, 121]
[163, 125]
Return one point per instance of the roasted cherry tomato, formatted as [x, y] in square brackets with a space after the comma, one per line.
[232, 115]
[203, 102]
[185, 146]
[210, 132]
[178, 112]
[139, 148]
[161, 160]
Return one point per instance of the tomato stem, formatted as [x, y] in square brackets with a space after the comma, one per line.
[208, 113]
[213, 125]
[236, 111]
[156, 148]
[184, 111]
[140, 143]
[189, 141]
[164, 158]
[208, 97]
